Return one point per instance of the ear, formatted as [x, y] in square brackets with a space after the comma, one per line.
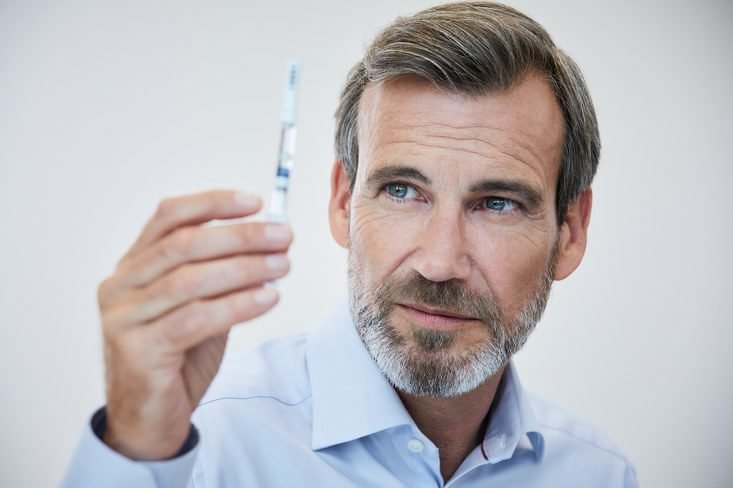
[338, 207]
[573, 235]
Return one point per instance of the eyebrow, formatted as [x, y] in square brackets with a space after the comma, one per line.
[387, 174]
[525, 192]
[529, 195]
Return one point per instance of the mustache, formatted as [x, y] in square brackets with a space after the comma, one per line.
[452, 296]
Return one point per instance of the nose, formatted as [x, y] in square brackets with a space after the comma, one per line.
[442, 251]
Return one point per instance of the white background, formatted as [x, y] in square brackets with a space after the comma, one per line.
[106, 107]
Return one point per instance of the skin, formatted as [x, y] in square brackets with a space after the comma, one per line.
[168, 307]
[450, 150]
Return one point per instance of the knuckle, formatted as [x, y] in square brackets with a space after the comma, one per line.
[195, 312]
[110, 291]
[165, 208]
[184, 324]
[243, 268]
[168, 251]
[233, 272]
[115, 320]
[183, 239]
[246, 237]
[214, 197]
[176, 246]
[103, 291]
[183, 283]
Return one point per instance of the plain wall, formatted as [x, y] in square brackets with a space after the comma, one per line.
[107, 107]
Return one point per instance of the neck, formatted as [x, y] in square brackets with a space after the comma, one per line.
[455, 425]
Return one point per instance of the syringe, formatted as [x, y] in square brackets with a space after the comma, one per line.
[277, 209]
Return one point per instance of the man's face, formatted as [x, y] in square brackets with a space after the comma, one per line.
[452, 234]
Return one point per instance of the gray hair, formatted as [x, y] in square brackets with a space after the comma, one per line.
[476, 48]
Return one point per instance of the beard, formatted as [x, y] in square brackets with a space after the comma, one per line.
[423, 361]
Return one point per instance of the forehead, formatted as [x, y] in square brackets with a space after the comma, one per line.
[520, 130]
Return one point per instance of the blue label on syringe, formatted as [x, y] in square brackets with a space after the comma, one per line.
[281, 183]
[277, 208]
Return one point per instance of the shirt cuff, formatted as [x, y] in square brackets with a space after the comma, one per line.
[94, 464]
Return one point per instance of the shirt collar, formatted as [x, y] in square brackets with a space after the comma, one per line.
[352, 398]
[512, 423]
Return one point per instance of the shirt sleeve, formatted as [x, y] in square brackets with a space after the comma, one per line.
[94, 464]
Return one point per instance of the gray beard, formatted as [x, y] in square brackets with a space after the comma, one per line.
[423, 363]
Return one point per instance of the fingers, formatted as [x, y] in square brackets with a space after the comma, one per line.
[167, 308]
[195, 281]
[197, 321]
[173, 213]
[192, 244]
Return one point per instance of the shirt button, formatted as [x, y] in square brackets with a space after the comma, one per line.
[415, 445]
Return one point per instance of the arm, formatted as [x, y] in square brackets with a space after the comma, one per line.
[166, 314]
[94, 464]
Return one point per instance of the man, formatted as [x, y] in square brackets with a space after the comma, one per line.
[466, 145]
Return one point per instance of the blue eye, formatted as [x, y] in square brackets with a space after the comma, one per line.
[400, 190]
[500, 205]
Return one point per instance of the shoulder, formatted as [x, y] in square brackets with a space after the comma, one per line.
[568, 436]
[565, 424]
[274, 369]
[260, 397]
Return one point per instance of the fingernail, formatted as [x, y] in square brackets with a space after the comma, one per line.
[245, 200]
[276, 262]
[266, 296]
[277, 233]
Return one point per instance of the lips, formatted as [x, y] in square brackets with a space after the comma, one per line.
[426, 316]
[436, 311]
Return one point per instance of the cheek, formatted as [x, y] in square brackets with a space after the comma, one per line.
[380, 240]
[511, 266]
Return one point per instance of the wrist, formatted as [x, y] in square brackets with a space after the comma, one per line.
[173, 450]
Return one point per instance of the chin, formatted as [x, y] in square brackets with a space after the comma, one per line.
[426, 362]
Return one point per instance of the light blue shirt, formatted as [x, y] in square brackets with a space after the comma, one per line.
[314, 410]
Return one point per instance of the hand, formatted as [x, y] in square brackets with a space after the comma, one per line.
[167, 310]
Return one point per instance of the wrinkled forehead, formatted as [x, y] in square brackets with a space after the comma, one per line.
[524, 123]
